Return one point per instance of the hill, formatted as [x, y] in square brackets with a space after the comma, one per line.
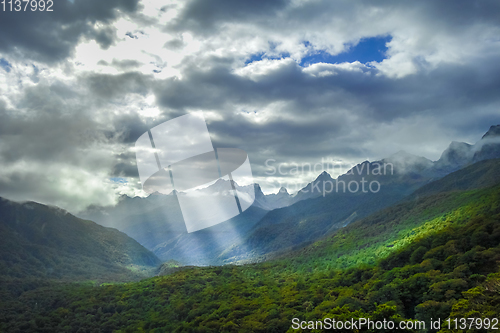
[38, 241]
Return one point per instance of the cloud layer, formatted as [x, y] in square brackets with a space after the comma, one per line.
[80, 84]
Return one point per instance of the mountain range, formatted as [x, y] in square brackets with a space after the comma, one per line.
[278, 223]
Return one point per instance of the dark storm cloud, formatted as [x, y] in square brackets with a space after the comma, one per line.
[110, 86]
[125, 64]
[125, 166]
[49, 145]
[52, 36]
[132, 126]
[460, 13]
[218, 85]
[202, 16]
[446, 88]
[314, 130]
[333, 115]
[174, 44]
[49, 131]
[105, 37]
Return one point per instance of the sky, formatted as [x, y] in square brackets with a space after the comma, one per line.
[290, 82]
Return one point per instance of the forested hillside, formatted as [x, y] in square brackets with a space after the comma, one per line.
[38, 241]
[430, 258]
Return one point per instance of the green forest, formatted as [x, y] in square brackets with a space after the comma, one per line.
[431, 257]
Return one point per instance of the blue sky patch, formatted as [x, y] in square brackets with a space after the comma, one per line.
[5, 65]
[260, 56]
[254, 57]
[118, 180]
[367, 50]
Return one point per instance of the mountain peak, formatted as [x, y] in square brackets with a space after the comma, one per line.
[158, 193]
[258, 190]
[283, 190]
[456, 147]
[494, 131]
[323, 176]
[405, 163]
[455, 156]
[489, 145]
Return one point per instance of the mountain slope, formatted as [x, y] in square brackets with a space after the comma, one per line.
[313, 189]
[306, 221]
[479, 175]
[38, 241]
